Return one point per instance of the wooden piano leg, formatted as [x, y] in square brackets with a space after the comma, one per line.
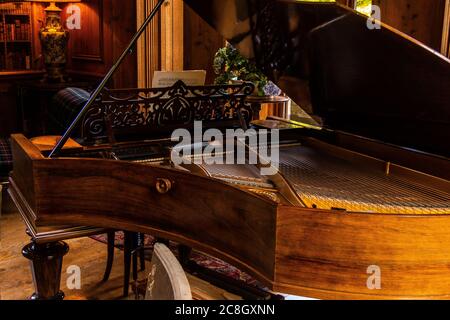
[110, 259]
[46, 265]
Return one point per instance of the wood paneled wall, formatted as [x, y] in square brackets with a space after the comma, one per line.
[172, 41]
[445, 47]
[201, 43]
[421, 19]
[425, 20]
[161, 45]
[106, 28]
[177, 39]
[148, 48]
[108, 25]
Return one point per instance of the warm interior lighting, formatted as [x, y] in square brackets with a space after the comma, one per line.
[54, 40]
[364, 6]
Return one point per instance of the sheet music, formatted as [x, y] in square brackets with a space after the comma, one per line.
[163, 79]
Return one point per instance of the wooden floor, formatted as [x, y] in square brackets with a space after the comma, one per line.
[89, 255]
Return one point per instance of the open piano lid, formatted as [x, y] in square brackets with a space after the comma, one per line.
[376, 83]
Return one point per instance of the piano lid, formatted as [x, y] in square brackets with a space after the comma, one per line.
[380, 84]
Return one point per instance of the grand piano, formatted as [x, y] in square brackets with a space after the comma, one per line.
[359, 206]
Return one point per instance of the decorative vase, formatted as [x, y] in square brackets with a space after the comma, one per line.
[54, 40]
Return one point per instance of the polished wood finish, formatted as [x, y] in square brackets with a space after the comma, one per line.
[88, 44]
[327, 254]
[177, 39]
[318, 253]
[201, 43]
[161, 45]
[172, 35]
[421, 19]
[292, 248]
[110, 254]
[46, 264]
[47, 143]
[106, 29]
[405, 76]
[159, 214]
[149, 45]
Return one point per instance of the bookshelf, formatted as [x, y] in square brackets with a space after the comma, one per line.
[15, 37]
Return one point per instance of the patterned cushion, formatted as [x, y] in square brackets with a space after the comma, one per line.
[64, 108]
[5, 157]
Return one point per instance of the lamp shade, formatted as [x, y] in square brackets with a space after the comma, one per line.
[48, 1]
[52, 6]
[58, 1]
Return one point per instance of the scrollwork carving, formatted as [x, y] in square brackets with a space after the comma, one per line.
[178, 105]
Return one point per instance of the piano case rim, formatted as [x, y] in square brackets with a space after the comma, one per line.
[423, 244]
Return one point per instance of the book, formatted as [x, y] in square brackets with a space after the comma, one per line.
[28, 62]
[2, 31]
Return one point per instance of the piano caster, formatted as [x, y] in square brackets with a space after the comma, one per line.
[46, 265]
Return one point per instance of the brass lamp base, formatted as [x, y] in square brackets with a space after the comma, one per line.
[54, 40]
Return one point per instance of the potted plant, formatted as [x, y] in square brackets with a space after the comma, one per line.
[230, 66]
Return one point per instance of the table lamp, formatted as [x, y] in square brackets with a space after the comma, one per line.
[54, 40]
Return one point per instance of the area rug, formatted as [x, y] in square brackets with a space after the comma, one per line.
[200, 258]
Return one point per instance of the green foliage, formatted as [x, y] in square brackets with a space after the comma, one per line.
[230, 65]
